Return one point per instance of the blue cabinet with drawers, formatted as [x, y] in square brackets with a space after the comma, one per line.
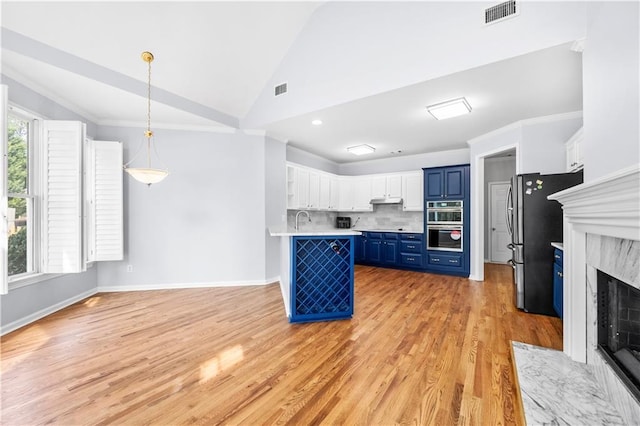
[390, 249]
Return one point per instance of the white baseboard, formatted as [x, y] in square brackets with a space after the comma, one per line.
[169, 286]
[7, 328]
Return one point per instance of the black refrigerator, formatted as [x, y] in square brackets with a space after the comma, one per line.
[535, 222]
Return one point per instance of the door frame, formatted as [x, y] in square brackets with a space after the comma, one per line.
[490, 214]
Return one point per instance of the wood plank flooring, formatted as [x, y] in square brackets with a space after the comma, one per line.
[421, 349]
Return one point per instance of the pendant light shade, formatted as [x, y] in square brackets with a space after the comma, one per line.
[147, 175]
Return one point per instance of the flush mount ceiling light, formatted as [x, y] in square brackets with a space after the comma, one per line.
[147, 175]
[361, 149]
[316, 122]
[448, 109]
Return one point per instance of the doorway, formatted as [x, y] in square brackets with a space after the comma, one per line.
[498, 237]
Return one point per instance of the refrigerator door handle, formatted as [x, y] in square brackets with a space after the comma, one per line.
[508, 210]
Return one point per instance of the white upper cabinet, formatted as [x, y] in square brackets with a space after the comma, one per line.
[324, 193]
[314, 190]
[317, 190]
[574, 155]
[412, 192]
[362, 194]
[334, 193]
[386, 186]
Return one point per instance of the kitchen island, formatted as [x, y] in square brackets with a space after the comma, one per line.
[316, 273]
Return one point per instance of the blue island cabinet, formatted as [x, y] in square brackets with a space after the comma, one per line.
[321, 278]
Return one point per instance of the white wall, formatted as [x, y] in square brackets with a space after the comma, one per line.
[275, 181]
[344, 51]
[204, 224]
[406, 163]
[611, 88]
[542, 147]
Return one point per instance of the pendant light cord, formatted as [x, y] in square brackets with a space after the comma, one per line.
[149, 134]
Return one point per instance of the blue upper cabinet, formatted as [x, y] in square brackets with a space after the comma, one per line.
[445, 183]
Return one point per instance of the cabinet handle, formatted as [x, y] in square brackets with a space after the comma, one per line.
[410, 259]
[436, 260]
[408, 246]
[560, 274]
[452, 261]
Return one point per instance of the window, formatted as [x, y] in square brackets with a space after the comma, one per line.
[61, 198]
[22, 201]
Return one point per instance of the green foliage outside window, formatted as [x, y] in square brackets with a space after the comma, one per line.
[17, 183]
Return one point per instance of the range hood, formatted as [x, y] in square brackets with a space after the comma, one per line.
[390, 200]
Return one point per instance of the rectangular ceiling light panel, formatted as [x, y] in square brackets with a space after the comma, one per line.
[448, 109]
[361, 149]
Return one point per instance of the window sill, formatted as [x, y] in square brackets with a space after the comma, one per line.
[18, 282]
[26, 280]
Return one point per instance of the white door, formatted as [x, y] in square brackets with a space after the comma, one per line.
[500, 237]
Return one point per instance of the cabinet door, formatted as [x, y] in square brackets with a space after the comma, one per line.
[379, 187]
[454, 182]
[412, 195]
[314, 190]
[394, 186]
[334, 193]
[434, 184]
[303, 188]
[362, 195]
[374, 251]
[390, 252]
[324, 202]
[557, 289]
[345, 195]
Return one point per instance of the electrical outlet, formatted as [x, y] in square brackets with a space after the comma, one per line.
[129, 268]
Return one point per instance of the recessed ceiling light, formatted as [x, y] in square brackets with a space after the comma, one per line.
[448, 109]
[316, 122]
[361, 149]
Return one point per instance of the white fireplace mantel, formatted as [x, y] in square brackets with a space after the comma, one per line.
[608, 206]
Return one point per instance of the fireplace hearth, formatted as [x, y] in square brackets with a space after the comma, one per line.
[618, 306]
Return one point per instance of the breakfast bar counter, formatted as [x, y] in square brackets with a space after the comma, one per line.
[316, 273]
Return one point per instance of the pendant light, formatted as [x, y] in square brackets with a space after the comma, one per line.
[147, 175]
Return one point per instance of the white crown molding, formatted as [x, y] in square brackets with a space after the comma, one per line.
[14, 75]
[253, 132]
[527, 122]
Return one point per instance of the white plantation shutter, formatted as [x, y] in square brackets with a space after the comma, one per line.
[62, 196]
[104, 201]
[4, 234]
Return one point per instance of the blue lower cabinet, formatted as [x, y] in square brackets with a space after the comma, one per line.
[321, 278]
[558, 282]
[392, 250]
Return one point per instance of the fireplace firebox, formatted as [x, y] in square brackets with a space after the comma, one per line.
[619, 329]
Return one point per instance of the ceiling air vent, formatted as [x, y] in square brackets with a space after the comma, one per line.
[508, 9]
[281, 89]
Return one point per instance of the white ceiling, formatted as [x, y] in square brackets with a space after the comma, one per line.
[213, 59]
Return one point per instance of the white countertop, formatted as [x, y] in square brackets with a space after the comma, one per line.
[398, 231]
[558, 246]
[308, 231]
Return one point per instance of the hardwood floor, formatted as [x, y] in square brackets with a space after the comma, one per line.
[420, 349]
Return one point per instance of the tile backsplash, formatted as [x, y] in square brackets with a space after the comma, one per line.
[383, 216]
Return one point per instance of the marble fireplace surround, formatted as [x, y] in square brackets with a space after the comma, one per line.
[601, 231]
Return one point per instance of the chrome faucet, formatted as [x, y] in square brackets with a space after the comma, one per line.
[298, 215]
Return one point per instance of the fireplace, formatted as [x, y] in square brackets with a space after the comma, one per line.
[601, 233]
[618, 334]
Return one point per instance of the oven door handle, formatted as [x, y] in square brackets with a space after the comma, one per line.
[445, 227]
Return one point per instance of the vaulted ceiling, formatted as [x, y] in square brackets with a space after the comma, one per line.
[367, 70]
